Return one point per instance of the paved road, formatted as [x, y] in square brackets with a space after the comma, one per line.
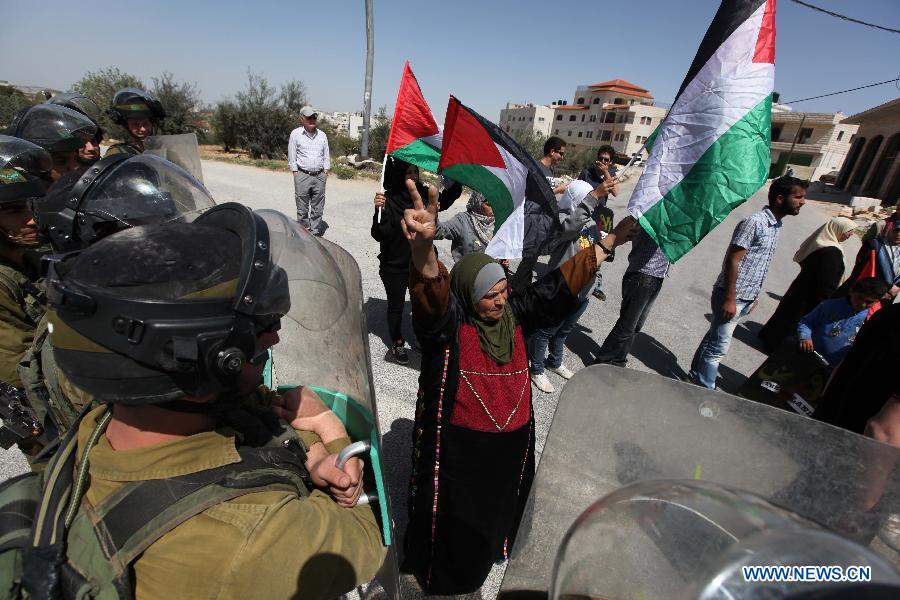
[678, 321]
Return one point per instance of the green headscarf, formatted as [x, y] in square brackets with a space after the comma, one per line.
[496, 337]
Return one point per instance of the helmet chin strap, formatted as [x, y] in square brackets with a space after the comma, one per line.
[18, 240]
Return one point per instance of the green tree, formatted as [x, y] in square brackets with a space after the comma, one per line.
[532, 142]
[180, 100]
[11, 102]
[575, 161]
[225, 124]
[100, 86]
[264, 122]
[378, 135]
[293, 96]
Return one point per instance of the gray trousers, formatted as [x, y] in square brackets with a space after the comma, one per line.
[309, 192]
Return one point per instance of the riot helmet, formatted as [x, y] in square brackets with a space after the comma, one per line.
[133, 102]
[55, 128]
[24, 170]
[89, 108]
[154, 313]
[118, 192]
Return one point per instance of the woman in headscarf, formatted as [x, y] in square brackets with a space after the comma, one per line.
[821, 260]
[393, 267]
[469, 231]
[473, 441]
[879, 256]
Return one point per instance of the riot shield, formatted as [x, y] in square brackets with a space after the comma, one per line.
[614, 427]
[182, 149]
[334, 361]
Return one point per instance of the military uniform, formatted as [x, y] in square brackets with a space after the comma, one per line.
[123, 148]
[22, 305]
[268, 544]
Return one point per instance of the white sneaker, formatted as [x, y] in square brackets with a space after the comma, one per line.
[543, 383]
[562, 370]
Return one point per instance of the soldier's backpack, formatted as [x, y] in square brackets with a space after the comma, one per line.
[40, 512]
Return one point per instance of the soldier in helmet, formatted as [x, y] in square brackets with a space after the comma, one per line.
[83, 206]
[182, 490]
[24, 169]
[59, 130]
[137, 112]
[90, 152]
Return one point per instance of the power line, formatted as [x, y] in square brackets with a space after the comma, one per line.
[841, 92]
[844, 17]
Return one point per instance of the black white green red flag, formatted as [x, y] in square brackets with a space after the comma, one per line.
[415, 136]
[479, 154]
[711, 152]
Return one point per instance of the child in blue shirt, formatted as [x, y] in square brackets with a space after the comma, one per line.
[831, 327]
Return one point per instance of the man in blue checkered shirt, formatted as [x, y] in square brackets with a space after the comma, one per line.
[736, 291]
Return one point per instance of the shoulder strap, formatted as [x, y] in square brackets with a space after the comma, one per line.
[134, 517]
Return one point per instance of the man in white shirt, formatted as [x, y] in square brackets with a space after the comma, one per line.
[309, 161]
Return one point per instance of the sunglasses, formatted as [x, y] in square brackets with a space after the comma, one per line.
[606, 160]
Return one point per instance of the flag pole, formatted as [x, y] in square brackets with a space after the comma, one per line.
[633, 159]
[383, 168]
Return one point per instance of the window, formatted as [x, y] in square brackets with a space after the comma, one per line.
[592, 119]
[569, 134]
[590, 134]
[580, 101]
[618, 101]
[776, 133]
[559, 117]
[556, 132]
[579, 134]
[582, 118]
[620, 118]
[840, 135]
[540, 119]
[596, 101]
[805, 134]
[571, 117]
[605, 136]
[610, 117]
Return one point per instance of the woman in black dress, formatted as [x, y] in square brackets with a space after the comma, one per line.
[821, 262]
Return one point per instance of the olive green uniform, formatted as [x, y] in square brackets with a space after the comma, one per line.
[270, 544]
[22, 305]
[122, 148]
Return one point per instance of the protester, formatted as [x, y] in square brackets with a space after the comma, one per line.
[736, 291]
[879, 256]
[832, 326]
[821, 260]
[469, 231]
[864, 386]
[578, 231]
[309, 159]
[138, 112]
[602, 169]
[647, 269]
[554, 152]
[474, 440]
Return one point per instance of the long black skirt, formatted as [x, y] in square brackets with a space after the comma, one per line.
[466, 499]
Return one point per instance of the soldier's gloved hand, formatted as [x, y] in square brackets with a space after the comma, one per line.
[344, 485]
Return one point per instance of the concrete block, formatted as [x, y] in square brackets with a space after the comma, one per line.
[864, 202]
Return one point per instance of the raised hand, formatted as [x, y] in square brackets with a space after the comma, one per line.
[419, 223]
[626, 230]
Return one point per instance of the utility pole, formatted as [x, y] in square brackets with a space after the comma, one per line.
[367, 97]
[794, 143]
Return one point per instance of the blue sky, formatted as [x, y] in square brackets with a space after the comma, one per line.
[484, 52]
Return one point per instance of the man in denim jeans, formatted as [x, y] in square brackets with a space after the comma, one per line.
[736, 291]
[647, 268]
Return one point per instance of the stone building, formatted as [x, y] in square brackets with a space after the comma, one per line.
[872, 167]
[813, 144]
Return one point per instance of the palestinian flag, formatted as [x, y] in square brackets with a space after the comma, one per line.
[415, 136]
[479, 154]
[711, 152]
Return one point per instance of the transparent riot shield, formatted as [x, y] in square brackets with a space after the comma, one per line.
[694, 540]
[334, 361]
[182, 149]
[614, 427]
